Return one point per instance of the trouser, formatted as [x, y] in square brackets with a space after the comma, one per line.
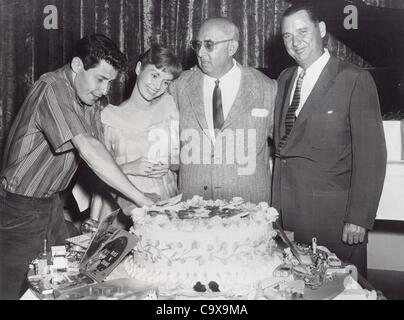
[25, 223]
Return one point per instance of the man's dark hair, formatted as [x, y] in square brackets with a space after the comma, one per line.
[161, 58]
[307, 6]
[96, 47]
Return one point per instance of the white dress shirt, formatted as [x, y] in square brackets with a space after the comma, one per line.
[309, 81]
[229, 85]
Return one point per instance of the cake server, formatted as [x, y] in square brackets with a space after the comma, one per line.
[289, 243]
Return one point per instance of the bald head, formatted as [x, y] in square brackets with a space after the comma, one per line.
[216, 59]
[222, 25]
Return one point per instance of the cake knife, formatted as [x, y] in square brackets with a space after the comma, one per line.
[289, 243]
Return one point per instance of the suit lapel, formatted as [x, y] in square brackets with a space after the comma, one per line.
[320, 89]
[286, 100]
[244, 97]
[195, 97]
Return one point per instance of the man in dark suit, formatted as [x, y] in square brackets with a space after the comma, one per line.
[330, 150]
[226, 118]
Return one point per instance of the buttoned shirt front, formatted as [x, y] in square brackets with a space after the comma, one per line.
[229, 85]
[310, 79]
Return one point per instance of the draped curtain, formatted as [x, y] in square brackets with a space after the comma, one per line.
[28, 49]
[395, 4]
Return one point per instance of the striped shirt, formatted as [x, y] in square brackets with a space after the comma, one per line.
[40, 159]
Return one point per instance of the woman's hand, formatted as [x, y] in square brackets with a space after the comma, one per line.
[142, 167]
[159, 169]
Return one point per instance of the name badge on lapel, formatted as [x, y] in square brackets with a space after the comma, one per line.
[259, 112]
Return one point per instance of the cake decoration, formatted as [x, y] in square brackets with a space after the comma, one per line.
[199, 244]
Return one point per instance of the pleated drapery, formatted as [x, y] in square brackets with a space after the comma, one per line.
[394, 4]
[28, 49]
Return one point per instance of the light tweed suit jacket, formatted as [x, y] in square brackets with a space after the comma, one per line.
[238, 164]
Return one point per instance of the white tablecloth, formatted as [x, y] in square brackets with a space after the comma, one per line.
[353, 291]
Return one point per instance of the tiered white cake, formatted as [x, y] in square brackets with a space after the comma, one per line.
[225, 246]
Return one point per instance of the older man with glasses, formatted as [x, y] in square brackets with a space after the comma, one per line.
[226, 117]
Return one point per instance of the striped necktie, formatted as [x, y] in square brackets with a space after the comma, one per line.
[218, 117]
[291, 113]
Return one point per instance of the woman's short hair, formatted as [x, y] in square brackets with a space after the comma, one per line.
[161, 58]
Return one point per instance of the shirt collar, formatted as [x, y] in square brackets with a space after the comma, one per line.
[228, 76]
[318, 65]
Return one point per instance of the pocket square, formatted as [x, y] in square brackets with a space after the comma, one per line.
[259, 112]
[330, 112]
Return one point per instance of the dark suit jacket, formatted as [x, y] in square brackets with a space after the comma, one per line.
[240, 168]
[332, 168]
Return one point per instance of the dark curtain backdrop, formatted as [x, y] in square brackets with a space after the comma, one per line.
[395, 4]
[28, 50]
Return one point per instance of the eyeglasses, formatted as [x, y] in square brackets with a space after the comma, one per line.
[208, 44]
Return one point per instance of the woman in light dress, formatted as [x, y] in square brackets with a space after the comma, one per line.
[142, 132]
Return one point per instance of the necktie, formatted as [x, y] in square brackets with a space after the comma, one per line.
[291, 113]
[218, 117]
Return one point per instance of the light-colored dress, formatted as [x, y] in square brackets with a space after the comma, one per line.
[152, 132]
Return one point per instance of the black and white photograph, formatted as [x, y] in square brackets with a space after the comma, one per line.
[252, 150]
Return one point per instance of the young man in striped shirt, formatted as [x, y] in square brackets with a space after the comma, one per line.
[56, 127]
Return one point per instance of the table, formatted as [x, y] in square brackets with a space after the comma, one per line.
[342, 287]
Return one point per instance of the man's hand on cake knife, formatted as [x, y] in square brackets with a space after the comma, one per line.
[148, 199]
[127, 206]
[153, 196]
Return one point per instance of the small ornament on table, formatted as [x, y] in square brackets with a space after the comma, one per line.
[283, 270]
[314, 245]
[89, 226]
[42, 262]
